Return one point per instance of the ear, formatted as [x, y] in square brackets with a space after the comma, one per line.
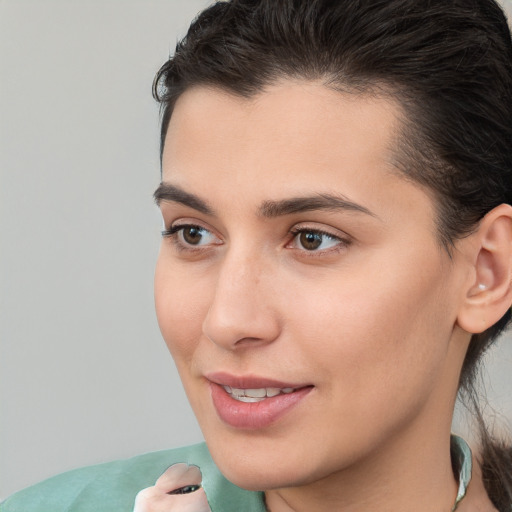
[488, 294]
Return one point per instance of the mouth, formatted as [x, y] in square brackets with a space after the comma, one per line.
[253, 395]
[252, 402]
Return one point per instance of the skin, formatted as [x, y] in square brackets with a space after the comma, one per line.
[161, 497]
[377, 319]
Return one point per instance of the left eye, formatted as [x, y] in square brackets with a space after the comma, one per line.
[192, 235]
[312, 240]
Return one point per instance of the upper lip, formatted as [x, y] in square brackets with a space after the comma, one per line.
[250, 381]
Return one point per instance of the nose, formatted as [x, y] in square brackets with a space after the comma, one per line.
[242, 311]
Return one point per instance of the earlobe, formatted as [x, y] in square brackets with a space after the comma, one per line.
[489, 293]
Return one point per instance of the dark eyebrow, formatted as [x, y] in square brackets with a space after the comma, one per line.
[168, 192]
[310, 203]
[269, 209]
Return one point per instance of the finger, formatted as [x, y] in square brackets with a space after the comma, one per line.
[147, 500]
[177, 476]
[153, 500]
[193, 502]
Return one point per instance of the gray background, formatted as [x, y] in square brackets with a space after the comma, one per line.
[84, 375]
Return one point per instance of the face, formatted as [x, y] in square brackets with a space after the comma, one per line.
[300, 286]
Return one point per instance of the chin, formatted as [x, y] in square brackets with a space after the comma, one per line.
[258, 478]
[263, 466]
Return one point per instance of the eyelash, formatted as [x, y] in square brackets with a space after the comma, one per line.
[341, 243]
[173, 233]
[173, 230]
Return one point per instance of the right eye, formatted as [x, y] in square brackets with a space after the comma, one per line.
[189, 235]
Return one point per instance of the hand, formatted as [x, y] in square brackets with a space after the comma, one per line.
[177, 490]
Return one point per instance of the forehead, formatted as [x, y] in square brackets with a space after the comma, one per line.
[290, 113]
[292, 138]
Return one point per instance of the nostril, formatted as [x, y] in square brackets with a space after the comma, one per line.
[249, 341]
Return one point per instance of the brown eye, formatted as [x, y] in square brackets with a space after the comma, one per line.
[310, 240]
[316, 241]
[192, 235]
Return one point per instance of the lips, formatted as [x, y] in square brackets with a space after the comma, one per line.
[254, 402]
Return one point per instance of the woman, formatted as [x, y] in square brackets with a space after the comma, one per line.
[337, 253]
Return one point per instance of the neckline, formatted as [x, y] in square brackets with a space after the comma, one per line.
[462, 464]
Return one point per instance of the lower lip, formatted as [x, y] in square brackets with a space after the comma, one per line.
[255, 415]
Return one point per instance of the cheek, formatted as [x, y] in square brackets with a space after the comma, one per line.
[181, 303]
[372, 331]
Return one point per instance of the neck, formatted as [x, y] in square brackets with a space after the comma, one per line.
[410, 473]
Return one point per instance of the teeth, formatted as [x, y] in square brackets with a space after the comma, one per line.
[237, 392]
[256, 394]
[248, 399]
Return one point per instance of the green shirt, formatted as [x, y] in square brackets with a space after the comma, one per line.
[112, 487]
